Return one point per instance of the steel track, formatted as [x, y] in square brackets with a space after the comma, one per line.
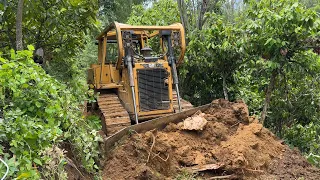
[114, 116]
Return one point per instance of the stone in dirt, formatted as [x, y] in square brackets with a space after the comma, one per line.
[195, 122]
[231, 144]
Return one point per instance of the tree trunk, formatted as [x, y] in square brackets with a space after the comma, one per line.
[19, 44]
[232, 10]
[268, 95]
[203, 10]
[183, 14]
[181, 11]
[224, 87]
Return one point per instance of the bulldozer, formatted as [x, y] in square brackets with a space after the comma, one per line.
[136, 75]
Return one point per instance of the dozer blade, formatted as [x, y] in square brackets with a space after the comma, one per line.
[158, 123]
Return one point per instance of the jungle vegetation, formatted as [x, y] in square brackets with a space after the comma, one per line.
[265, 52]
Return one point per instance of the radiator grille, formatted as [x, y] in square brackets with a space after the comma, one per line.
[153, 92]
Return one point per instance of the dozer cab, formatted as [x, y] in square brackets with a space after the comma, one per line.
[136, 74]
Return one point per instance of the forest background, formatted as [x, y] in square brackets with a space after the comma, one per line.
[264, 52]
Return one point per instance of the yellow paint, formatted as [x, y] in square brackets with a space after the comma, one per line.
[115, 76]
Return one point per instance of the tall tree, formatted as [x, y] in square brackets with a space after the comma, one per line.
[219, 48]
[52, 25]
[192, 13]
[117, 10]
[183, 14]
[19, 43]
[163, 12]
[57, 27]
[278, 31]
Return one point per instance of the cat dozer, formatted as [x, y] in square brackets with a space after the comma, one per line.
[136, 74]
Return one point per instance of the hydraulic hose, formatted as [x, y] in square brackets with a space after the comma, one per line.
[129, 63]
[131, 81]
[172, 63]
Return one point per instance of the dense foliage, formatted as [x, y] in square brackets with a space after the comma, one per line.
[57, 28]
[281, 36]
[38, 114]
[155, 15]
[265, 52]
[217, 50]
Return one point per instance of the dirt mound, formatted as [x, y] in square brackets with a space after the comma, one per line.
[229, 144]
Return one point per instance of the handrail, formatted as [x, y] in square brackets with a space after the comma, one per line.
[119, 27]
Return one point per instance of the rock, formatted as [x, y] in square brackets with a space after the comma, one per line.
[195, 122]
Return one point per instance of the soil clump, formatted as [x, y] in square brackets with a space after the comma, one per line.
[228, 144]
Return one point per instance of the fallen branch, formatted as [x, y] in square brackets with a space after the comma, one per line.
[70, 163]
[234, 124]
[221, 177]
[158, 155]
[153, 142]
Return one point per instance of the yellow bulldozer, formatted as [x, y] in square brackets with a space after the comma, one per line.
[136, 74]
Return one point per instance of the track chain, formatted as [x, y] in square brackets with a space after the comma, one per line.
[114, 116]
[185, 105]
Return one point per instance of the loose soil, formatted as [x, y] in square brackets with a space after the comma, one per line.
[231, 145]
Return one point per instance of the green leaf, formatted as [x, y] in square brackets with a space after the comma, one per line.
[14, 143]
[12, 54]
[37, 161]
[30, 48]
[63, 9]
[25, 85]
[31, 108]
[2, 60]
[24, 175]
[74, 2]
[49, 110]
[268, 41]
[296, 4]
[297, 29]
[38, 104]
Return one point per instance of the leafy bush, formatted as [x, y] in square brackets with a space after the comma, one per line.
[307, 138]
[39, 112]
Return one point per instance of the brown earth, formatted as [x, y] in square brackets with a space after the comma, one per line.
[231, 145]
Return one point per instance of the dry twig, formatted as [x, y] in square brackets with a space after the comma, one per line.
[235, 124]
[220, 177]
[153, 142]
[70, 163]
[158, 155]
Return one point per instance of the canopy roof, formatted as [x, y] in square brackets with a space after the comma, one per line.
[114, 32]
[115, 26]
